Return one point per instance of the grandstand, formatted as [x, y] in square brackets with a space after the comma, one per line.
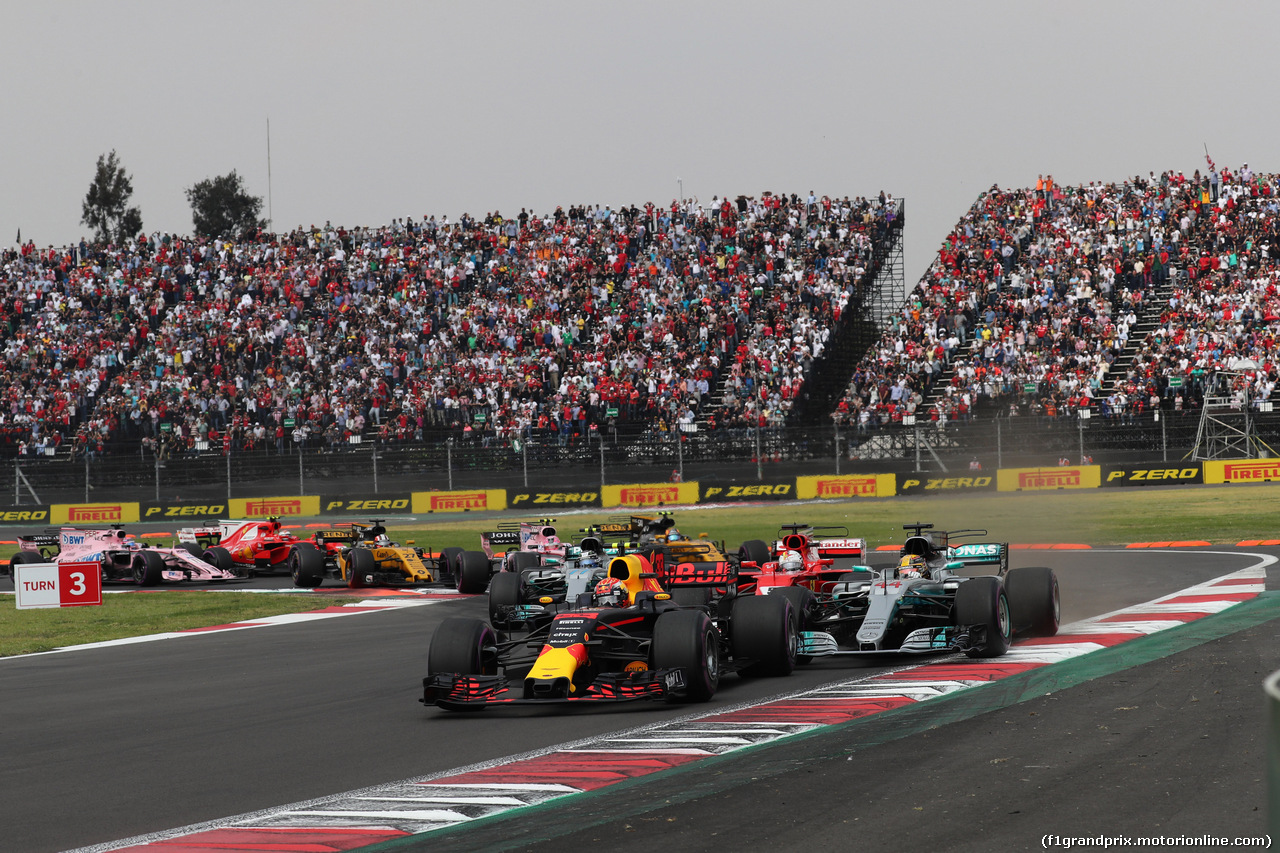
[712, 323]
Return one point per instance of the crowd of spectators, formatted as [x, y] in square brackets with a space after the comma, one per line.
[1034, 295]
[579, 320]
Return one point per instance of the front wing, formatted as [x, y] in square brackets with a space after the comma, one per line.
[456, 692]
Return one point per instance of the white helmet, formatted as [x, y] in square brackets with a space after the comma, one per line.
[791, 562]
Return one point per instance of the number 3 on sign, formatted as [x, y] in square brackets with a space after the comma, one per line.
[79, 584]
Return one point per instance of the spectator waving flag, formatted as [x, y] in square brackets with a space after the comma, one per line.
[1208, 159]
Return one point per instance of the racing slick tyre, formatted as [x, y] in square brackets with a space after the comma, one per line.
[192, 549]
[518, 561]
[360, 564]
[219, 558]
[686, 639]
[763, 630]
[148, 568]
[803, 601]
[449, 560]
[983, 601]
[1034, 603]
[472, 576]
[504, 591]
[306, 565]
[465, 646]
[21, 558]
[755, 551]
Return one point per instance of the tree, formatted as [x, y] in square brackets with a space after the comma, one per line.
[105, 208]
[221, 207]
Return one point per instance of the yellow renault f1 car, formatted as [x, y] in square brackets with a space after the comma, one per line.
[616, 636]
[363, 555]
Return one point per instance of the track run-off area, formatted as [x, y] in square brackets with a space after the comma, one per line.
[304, 733]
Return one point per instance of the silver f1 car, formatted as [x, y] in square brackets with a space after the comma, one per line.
[924, 605]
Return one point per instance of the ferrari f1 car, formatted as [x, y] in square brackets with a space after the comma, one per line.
[256, 546]
[803, 556]
[362, 555]
[121, 556]
[924, 605]
[621, 639]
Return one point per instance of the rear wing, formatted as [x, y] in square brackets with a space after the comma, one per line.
[981, 554]
[719, 573]
[336, 535]
[46, 544]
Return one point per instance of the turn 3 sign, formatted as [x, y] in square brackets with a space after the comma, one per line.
[57, 585]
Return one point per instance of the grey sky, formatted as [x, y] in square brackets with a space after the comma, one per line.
[384, 110]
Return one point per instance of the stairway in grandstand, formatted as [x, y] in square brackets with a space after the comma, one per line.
[1157, 299]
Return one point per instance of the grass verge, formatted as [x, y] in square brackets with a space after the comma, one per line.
[137, 614]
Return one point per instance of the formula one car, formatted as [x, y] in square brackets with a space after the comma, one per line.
[556, 579]
[256, 546]
[802, 557]
[362, 555]
[923, 605]
[513, 547]
[121, 556]
[623, 639]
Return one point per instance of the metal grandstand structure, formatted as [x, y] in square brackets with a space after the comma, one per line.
[1228, 421]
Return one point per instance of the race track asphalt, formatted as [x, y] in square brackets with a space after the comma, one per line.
[111, 743]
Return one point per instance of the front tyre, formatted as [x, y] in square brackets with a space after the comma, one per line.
[472, 577]
[306, 566]
[686, 640]
[803, 602]
[1034, 601]
[764, 631]
[360, 565]
[463, 646]
[982, 601]
[504, 593]
[148, 568]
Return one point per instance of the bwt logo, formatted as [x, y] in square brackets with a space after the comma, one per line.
[644, 496]
[1049, 479]
[846, 488]
[266, 509]
[73, 540]
[1251, 471]
[478, 500]
[95, 513]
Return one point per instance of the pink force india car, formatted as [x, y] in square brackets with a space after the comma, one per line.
[121, 556]
[513, 547]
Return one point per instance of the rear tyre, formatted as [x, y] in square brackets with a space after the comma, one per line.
[306, 566]
[463, 646]
[504, 591]
[148, 568]
[518, 561]
[22, 558]
[472, 577]
[803, 601]
[755, 551]
[192, 549]
[983, 601]
[360, 564]
[219, 558]
[691, 596]
[686, 639]
[1034, 602]
[764, 631]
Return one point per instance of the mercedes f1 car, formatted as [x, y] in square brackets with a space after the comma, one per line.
[121, 556]
[924, 605]
[621, 639]
[362, 555]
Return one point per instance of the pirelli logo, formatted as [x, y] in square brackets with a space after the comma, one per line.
[1066, 478]
[81, 514]
[272, 506]
[459, 501]
[845, 487]
[650, 495]
[1033, 479]
[1250, 472]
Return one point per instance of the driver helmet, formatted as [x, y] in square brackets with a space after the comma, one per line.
[791, 562]
[612, 592]
[382, 540]
[674, 536]
[912, 566]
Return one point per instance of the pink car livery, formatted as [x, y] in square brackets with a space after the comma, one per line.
[121, 556]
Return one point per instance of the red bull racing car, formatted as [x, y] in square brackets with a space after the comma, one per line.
[616, 637]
